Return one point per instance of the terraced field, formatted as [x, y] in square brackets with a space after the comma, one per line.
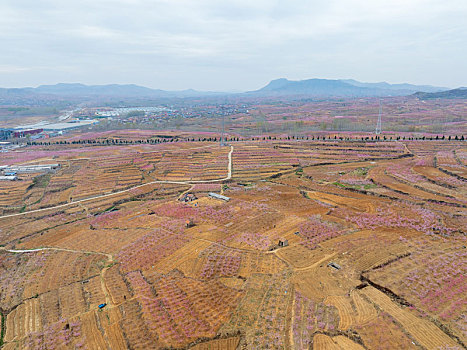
[321, 245]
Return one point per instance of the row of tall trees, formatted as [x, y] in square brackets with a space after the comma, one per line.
[236, 139]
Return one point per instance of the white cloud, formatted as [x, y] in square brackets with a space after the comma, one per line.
[210, 44]
[10, 69]
[91, 31]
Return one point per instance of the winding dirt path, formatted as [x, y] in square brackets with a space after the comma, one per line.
[316, 264]
[109, 256]
[229, 176]
[104, 288]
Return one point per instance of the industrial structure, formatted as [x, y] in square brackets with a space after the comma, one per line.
[30, 168]
[25, 133]
[44, 129]
[5, 134]
[10, 172]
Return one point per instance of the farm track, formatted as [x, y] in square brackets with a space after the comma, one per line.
[360, 307]
[102, 273]
[109, 256]
[79, 202]
[316, 264]
[105, 290]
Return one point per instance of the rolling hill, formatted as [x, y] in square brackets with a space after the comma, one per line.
[450, 94]
[339, 88]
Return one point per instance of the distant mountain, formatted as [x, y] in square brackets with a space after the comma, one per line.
[112, 90]
[107, 90]
[312, 87]
[339, 88]
[401, 87]
[68, 94]
[454, 93]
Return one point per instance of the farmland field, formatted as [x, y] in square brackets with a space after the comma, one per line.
[323, 244]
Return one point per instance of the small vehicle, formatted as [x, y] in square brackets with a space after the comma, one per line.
[101, 306]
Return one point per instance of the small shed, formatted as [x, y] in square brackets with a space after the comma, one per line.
[283, 243]
[188, 197]
[334, 265]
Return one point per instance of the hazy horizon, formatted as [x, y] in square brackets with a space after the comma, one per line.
[231, 46]
[227, 91]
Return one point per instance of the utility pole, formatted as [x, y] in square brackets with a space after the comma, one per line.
[222, 138]
[223, 129]
[378, 125]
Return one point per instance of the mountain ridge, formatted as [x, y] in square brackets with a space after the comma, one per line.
[109, 90]
[460, 92]
[340, 88]
[278, 87]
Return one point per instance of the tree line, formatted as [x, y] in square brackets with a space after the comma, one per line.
[236, 139]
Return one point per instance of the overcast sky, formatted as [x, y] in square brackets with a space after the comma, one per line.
[231, 45]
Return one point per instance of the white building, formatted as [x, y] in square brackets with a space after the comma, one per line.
[8, 178]
[218, 196]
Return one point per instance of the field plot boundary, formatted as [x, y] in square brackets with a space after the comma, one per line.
[426, 333]
[228, 177]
